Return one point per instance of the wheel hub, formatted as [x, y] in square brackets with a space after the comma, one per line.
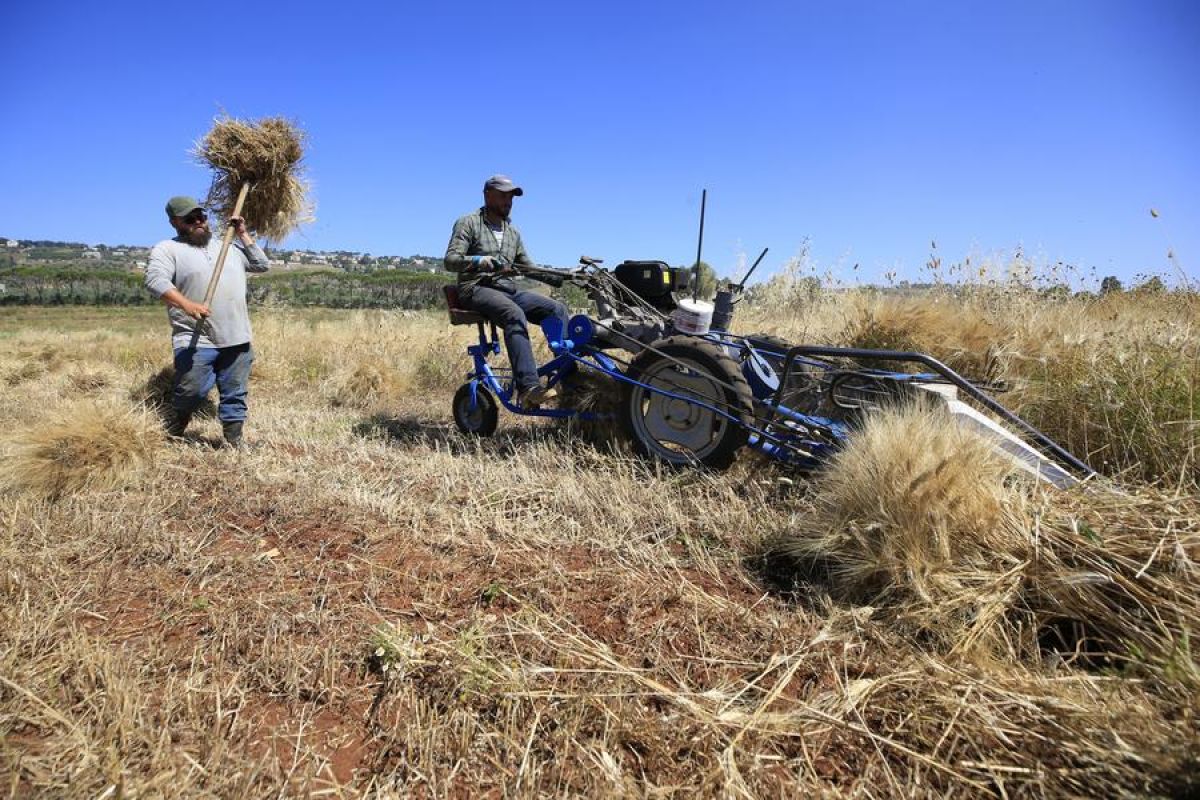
[677, 421]
[680, 414]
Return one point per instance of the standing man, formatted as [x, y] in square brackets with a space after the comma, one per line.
[178, 273]
[485, 248]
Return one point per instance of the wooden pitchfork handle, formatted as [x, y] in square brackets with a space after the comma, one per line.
[226, 241]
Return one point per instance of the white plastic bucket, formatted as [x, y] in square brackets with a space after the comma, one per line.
[692, 316]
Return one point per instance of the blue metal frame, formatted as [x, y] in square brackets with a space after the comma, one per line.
[563, 364]
[575, 349]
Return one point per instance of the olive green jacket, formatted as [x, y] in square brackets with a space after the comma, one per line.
[472, 237]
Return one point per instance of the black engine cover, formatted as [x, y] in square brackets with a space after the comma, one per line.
[653, 281]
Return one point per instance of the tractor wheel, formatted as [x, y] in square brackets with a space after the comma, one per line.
[673, 429]
[480, 421]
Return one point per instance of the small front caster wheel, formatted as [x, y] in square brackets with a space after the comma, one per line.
[480, 420]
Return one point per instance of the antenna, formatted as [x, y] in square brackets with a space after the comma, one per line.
[699, 247]
[753, 267]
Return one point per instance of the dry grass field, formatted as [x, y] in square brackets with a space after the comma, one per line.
[364, 603]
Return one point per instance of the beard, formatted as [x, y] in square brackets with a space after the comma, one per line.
[199, 237]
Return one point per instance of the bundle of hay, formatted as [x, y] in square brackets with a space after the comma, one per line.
[364, 386]
[29, 366]
[86, 446]
[921, 520]
[911, 516]
[1115, 579]
[267, 155]
[88, 379]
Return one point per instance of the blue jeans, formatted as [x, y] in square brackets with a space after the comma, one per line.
[509, 310]
[198, 370]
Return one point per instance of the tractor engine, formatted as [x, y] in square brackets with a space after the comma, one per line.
[628, 326]
[654, 282]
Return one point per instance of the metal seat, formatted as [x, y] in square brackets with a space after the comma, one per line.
[459, 315]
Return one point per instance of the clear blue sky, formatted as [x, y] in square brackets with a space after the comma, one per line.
[866, 128]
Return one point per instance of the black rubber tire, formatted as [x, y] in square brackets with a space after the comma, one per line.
[481, 422]
[726, 436]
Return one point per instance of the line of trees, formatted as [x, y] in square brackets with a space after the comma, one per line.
[54, 286]
[47, 285]
[390, 289]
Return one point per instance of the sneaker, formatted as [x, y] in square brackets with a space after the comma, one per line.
[533, 397]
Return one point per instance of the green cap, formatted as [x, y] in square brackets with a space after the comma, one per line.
[182, 205]
[503, 183]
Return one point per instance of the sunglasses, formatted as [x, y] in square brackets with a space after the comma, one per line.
[195, 217]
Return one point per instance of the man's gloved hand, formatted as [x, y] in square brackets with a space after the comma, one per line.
[489, 264]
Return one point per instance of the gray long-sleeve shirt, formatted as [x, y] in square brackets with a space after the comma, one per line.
[472, 237]
[177, 265]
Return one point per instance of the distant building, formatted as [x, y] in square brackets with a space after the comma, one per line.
[12, 243]
[92, 254]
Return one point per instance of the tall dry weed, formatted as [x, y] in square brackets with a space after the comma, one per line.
[954, 332]
[1114, 379]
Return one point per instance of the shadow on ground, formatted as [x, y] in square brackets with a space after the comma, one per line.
[155, 394]
[804, 583]
[412, 430]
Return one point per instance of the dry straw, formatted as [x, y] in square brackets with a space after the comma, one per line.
[594, 393]
[910, 515]
[954, 332]
[920, 519]
[267, 155]
[86, 446]
[365, 385]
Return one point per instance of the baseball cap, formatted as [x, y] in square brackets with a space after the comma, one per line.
[182, 205]
[503, 183]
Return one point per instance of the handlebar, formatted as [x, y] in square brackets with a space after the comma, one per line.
[554, 277]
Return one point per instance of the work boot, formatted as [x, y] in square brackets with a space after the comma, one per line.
[232, 431]
[177, 424]
[533, 397]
